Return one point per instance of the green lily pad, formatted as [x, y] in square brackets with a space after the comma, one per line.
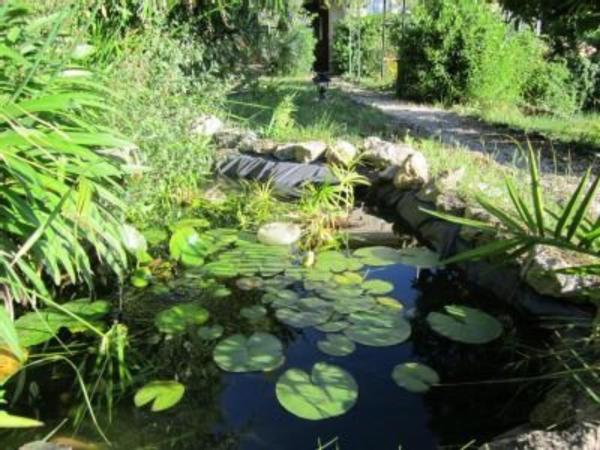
[378, 256]
[249, 283]
[466, 325]
[259, 352]
[377, 287]
[162, 394]
[337, 262]
[350, 305]
[375, 336]
[314, 304]
[221, 269]
[210, 332]
[300, 319]
[176, 319]
[253, 313]
[348, 278]
[333, 326]
[415, 377]
[39, 326]
[336, 345]
[419, 257]
[390, 302]
[328, 391]
[376, 317]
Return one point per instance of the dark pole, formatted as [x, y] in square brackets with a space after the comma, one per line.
[383, 38]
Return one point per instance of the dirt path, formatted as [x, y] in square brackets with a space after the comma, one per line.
[452, 129]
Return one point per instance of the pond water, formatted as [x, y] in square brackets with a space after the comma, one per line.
[223, 410]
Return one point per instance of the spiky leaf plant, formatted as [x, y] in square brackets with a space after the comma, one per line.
[59, 197]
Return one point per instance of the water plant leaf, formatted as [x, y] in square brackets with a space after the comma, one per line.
[162, 394]
[415, 377]
[384, 256]
[464, 324]
[347, 278]
[37, 327]
[300, 319]
[176, 319]
[377, 336]
[377, 287]
[328, 391]
[259, 352]
[333, 326]
[253, 313]
[10, 421]
[389, 302]
[210, 332]
[336, 345]
[348, 305]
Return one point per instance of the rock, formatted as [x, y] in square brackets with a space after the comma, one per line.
[279, 233]
[265, 147]
[581, 436]
[541, 274]
[242, 140]
[413, 173]
[41, 445]
[342, 153]
[383, 154]
[302, 152]
[474, 235]
[206, 125]
[442, 192]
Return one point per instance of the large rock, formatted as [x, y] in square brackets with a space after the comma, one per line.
[413, 173]
[302, 152]
[541, 274]
[279, 233]
[341, 153]
[581, 436]
[383, 154]
[242, 140]
[206, 125]
[442, 191]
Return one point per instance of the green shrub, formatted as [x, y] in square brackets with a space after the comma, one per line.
[296, 50]
[463, 51]
[350, 52]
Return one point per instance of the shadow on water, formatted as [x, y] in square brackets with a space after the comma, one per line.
[223, 411]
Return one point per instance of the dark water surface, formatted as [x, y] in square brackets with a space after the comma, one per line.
[240, 411]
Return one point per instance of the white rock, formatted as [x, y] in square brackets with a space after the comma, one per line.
[341, 152]
[206, 125]
[382, 154]
[302, 152]
[279, 233]
[413, 172]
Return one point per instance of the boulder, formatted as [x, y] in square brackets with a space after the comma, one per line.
[413, 173]
[341, 153]
[242, 140]
[581, 436]
[442, 191]
[383, 154]
[279, 233]
[206, 125]
[541, 273]
[302, 152]
[265, 147]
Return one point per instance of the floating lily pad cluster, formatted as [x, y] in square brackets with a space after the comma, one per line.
[192, 248]
[178, 318]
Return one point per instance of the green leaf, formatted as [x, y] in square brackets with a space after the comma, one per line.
[464, 324]
[253, 313]
[365, 333]
[177, 319]
[9, 337]
[583, 208]
[210, 332]
[562, 221]
[9, 421]
[259, 352]
[415, 377]
[336, 345]
[329, 391]
[377, 287]
[536, 190]
[162, 394]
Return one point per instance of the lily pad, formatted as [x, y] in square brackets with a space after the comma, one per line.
[315, 304]
[177, 318]
[210, 332]
[378, 256]
[259, 352]
[162, 394]
[336, 345]
[253, 313]
[348, 278]
[390, 302]
[333, 326]
[328, 391]
[300, 319]
[350, 305]
[375, 336]
[419, 257]
[377, 287]
[415, 377]
[466, 325]
[337, 262]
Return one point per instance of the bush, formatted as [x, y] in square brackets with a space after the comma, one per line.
[296, 50]
[348, 55]
[463, 51]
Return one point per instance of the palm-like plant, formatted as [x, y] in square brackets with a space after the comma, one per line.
[59, 198]
[529, 225]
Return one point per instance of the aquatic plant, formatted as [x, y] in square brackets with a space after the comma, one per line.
[464, 324]
[161, 394]
[258, 352]
[415, 377]
[328, 391]
[178, 318]
[336, 345]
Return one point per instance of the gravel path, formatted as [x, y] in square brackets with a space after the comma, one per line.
[452, 129]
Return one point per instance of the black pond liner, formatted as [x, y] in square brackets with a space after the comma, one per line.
[404, 208]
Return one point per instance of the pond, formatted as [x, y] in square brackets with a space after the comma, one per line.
[221, 409]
